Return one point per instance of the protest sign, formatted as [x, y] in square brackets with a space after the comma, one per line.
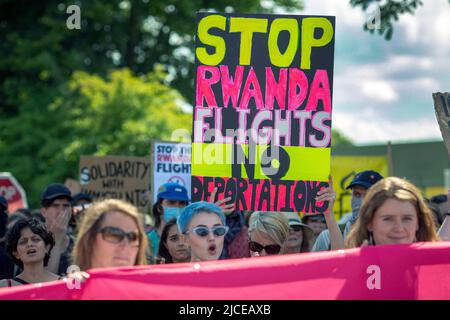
[171, 162]
[344, 169]
[262, 115]
[117, 177]
[442, 109]
[13, 192]
[415, 271]
[73, 185]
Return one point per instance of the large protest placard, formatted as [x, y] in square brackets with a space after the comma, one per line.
[442, 109]
[117, 177]
[262, 115]
[171, 162]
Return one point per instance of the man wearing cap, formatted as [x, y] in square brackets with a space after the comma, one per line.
[57, 210]
[359, 186]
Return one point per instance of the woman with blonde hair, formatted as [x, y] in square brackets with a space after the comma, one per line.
[111, 234]
[393, 212]
[268, 231]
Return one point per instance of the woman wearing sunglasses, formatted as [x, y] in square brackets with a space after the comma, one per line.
[203, 226]
[111, 234]
[268, 231]
[173, 247]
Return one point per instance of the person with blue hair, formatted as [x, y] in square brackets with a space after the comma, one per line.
[203, 226]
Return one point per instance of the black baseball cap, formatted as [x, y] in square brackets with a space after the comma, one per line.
[55, 190]
[81, 196]
[365, 179]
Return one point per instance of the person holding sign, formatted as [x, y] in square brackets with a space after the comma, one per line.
[359, 186]
[111, 234]
[393, 212]
[203, 226]
[29, 243]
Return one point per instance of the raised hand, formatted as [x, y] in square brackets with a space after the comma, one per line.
[226, 208]
[60, 224]
[327, 194]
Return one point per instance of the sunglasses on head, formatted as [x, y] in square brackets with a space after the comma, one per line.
[217, 231]
[270, 249]
[116, 235]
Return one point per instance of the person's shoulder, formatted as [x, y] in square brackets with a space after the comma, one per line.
[325, 234]
[4, 283]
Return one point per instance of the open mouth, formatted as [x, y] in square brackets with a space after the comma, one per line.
[31, 251]
[212, 249]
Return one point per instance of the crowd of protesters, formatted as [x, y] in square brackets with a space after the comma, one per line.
[39, 245]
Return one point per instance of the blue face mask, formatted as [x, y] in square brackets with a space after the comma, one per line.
[356, 205]
[170, 213]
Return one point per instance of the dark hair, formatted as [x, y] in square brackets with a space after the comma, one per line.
[435, 210]
[37, 227]
[25, 212]
[48, 202]
[163, 252]
[36, 214]
[157, 214]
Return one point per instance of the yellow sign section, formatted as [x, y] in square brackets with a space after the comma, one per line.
[211, 159]
[344, 168]
[434, 191]
[300, 163]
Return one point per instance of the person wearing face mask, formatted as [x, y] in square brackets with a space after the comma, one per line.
[171, 199]
[359, 186]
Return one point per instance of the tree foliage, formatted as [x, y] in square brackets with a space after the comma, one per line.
[390, 12]
[119, 115]
[108, 88]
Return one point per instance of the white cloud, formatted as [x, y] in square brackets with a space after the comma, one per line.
[367, 126]
[382, 89]
[379, 90]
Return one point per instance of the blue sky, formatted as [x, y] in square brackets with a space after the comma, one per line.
[382, 89]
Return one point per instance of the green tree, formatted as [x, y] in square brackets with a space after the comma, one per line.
[338, 139]
[119, 115]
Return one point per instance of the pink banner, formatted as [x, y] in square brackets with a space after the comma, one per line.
[418, 271]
